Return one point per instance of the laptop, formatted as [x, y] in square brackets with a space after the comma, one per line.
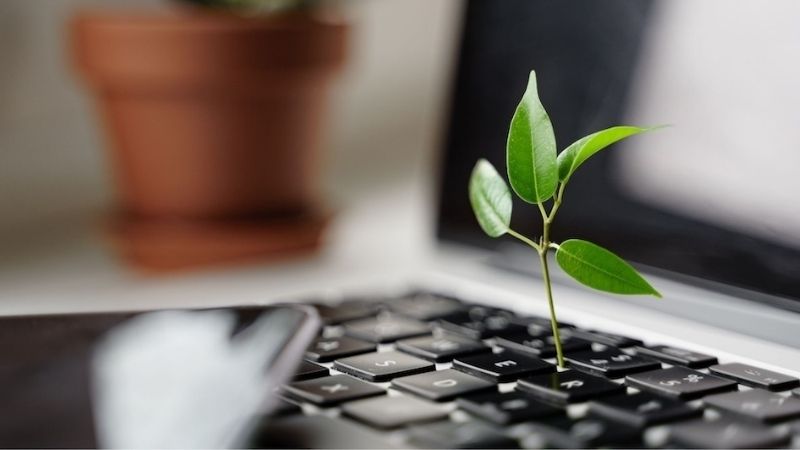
[460, 355]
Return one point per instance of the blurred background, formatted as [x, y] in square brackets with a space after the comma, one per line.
[723, 73]
[56, 179]
[384, 120]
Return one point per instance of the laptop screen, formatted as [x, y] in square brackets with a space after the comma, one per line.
[711, 199]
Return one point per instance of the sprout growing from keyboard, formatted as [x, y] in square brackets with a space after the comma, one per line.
[539, 175]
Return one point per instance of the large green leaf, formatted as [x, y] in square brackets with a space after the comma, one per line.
[582, 149]
[598, 268]
[531, 149]
[490, 199]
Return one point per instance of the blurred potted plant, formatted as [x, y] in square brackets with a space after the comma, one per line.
[214, 111]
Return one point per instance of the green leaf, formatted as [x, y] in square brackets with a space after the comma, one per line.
[531, 149]
[573, 156]
[490, 199]
[598, 268]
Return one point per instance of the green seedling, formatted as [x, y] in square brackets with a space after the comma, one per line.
[539, 175]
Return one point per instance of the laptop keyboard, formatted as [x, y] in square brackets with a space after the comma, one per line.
[432, 371]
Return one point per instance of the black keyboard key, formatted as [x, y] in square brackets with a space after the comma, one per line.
[570, 386]
[506, 408]
[680, 382]
[459, 435]
[642, 409]
[284, 408]
[502, 367]
[538, 324]
[442, 347]
[542, 345]
[610, 363]
[677, 356]
[331, 390]
[443, 385]
[757, 404]
[478, 312]
[393, 412]
[337, 314]
[725, 433]
[481, 328]
[308, 370]
[328, 349]
[588, 432]
[317, 431]
[600, 337]
[426, 306]
[382, 366]
[756, 377]
[384, 329]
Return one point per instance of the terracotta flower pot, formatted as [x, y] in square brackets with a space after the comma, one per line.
[212, 118]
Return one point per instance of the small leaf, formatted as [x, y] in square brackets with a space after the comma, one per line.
[579, 151]
[490, 199]
[598, 268]
[531, 149]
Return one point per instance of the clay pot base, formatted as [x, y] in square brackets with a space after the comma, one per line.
[156, 246]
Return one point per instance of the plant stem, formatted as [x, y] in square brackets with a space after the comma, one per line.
[547, 220]
[542, 248]
[553, 319]
[557, 201]
[525, 240]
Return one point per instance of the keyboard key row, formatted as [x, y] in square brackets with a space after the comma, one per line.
[640, 409]
[612, 417]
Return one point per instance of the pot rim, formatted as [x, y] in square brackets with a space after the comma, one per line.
[201, 19]
[113, 48]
